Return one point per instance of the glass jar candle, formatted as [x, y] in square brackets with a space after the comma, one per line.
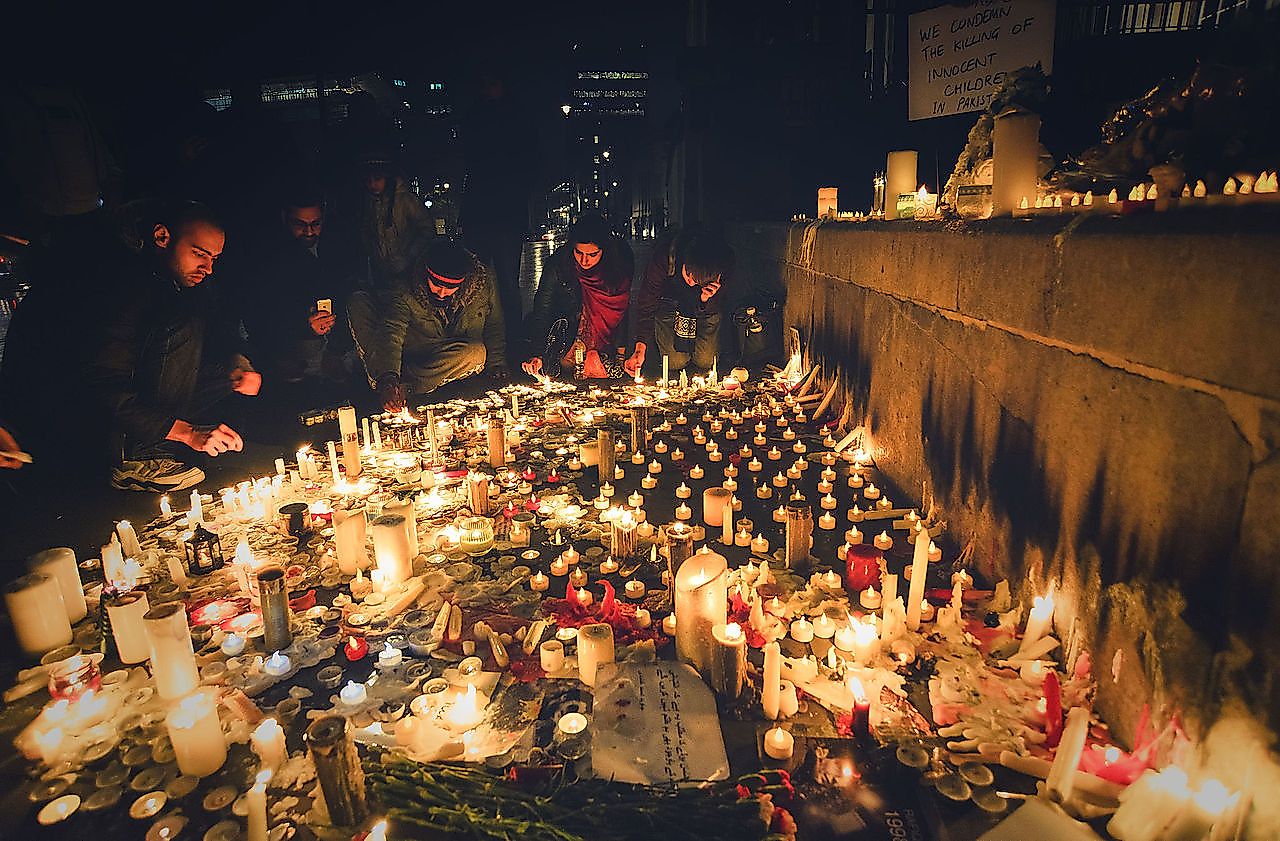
[476, 536]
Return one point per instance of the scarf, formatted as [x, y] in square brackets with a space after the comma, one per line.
[603, 310]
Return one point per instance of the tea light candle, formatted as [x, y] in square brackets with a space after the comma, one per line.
[353, 694]
[684, 491]
[824, 627]
[729, 485]
[232, 644]
[637, 457]
[883, 541]
[828, 502]
[677, 454]
[198, 744]
[856, 481]
[655, 467]
[871, 491]
[578, 578]
[584, 597]
[774, 453]
[683, 512]
[660, 446]
[571, 724]
[778, 744]
[780, 514]
[648, 483]
[826, 521]
[390, 656]
[539, 582]
[277, 664]
[742, 538]
[355, 649]
[794, 472]
[869, 599]
[759, 544]
[642, 617]
[608, 566]
[853, 537]
[571, 556]
[825, 487]
[856, 515]
[780, 481]
[559, 566]
[935, 554]
[669, 625]
[802, 630]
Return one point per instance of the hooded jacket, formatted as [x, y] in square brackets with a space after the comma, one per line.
[415, 326]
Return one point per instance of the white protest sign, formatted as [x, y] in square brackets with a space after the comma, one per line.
[960, 55]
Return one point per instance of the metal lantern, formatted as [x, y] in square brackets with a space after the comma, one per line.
[203, 551]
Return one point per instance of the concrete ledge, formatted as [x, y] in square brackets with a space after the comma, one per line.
[1093, 400]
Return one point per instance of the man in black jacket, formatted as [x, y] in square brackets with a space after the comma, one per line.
[167, 355]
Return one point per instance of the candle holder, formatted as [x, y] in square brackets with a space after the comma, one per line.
[73, 677]
[293, 518]
[338, 770]
[203, 552]
[476, 536]
[799, 528]
[608, 454]
[273, 598]
[701, 603]
[478, 493]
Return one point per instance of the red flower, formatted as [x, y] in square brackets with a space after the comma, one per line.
[783, 824]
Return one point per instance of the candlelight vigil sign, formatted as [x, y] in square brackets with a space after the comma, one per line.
[960, 55]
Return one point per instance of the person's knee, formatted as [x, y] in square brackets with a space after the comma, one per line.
[473, 354]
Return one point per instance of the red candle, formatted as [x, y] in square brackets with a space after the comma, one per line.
[532, 504]
[355, 649]
[510, 510]
[861, 710]
[862, 567]
[553, 477]
[1052, 709]
[528, 475]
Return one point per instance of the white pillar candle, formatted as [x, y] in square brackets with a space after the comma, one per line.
[60, 563]
[701, 594]
[256, 802]
[391, 548]
[595, 649]
[268, 744]
[915, 592]
[1062, 774]
[196, 515]
[350, 537]
[166, 508]
[405, 508]
[126, 613]
[377, 437]
[1015, 156]
[39, 618]
[173, 661]
[714, 501]
[198, 743]
[128, 539]
[666, 361]
[728, 669]
[350, 441]
[900, 177]
[771, 692]
[551, 656]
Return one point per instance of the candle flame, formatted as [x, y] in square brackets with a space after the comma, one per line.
[858, 690]
[733, 631]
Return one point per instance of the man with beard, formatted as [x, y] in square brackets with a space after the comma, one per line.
[167, 355]
[295, 293]
[447, 325]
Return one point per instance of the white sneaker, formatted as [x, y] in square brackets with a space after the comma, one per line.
[155, 475]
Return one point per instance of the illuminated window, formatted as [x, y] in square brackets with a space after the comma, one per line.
[219, 98]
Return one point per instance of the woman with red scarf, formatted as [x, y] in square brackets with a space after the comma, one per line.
[587, 284]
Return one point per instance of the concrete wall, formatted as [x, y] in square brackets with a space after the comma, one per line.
[1094, 402]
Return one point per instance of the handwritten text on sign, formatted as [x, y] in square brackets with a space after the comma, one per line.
[960, 55]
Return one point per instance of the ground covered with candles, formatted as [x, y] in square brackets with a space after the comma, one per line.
[546, 611]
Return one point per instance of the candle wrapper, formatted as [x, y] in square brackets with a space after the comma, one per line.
[273, 598]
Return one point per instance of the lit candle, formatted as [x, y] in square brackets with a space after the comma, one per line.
[166, 508]
[1039, 620]
[539, 582]
[595, 649]
[826, 521]
[353, 694]
[268, 744]
[233, 645]
[277, 665]
[884, 542]
[824, 627]
[36, 610]
[683, 512]
[126, 613]
[634, 589]
[390, 656]
[778, 743]
[194, 730]
[585, 598]
[701, 594]
[802, 630]
[60, 564]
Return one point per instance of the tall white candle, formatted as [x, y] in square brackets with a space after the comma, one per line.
[701, 594]
[1015, 156]
[61, 564]
[256, 801]
[127, 626]
[726, 522]
[915, 591]
[39, 619]
[128, 539]
[1062, 774]
[350, 537]
[268, 744]
[595, 649]
[113, 560]
[771, 692]
[714, 501]
[196, 515]
[173, 661]
[198, 743]
[350, 441]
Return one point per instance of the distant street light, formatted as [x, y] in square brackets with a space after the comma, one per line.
[566, 109]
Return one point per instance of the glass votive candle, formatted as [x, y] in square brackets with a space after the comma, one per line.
[476, 535]
[330, 677]
[73, 677]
